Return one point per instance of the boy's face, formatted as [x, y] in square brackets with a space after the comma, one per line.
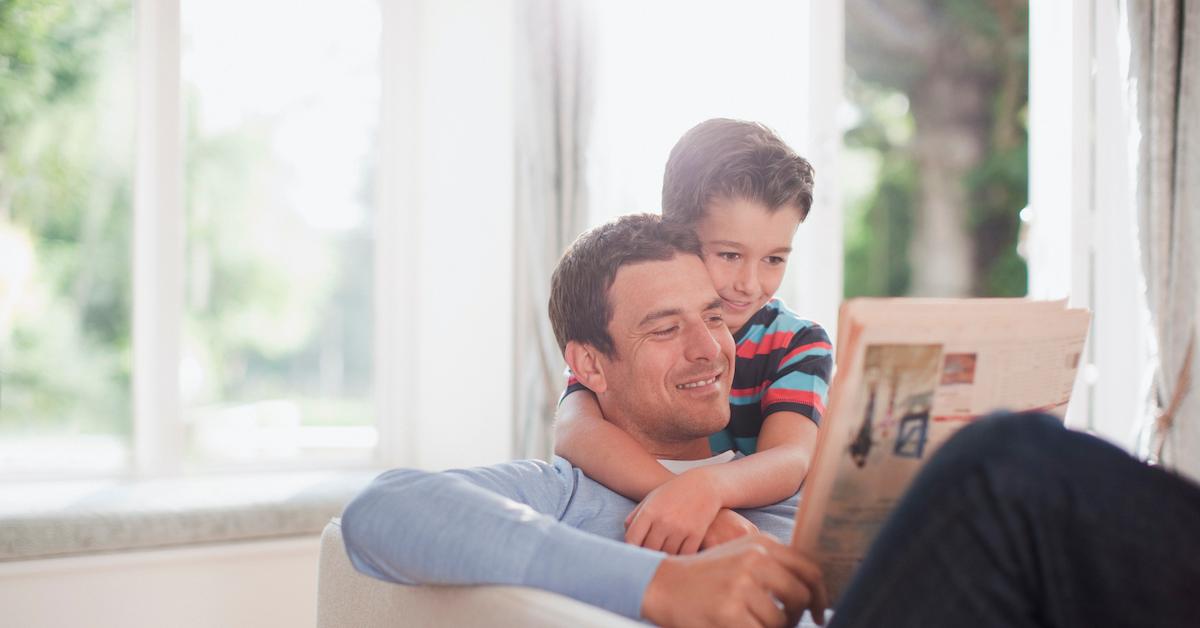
[746, 248]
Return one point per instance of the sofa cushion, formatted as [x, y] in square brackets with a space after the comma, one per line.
[349, 599]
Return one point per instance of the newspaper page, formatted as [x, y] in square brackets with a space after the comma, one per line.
[910, 373]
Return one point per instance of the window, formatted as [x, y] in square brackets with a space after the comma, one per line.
[769, 61]
[187, 274]
[66, 177]
[936, 168]
[1083, 238]
[276, 347]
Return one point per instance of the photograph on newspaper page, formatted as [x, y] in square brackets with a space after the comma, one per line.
[885, 449]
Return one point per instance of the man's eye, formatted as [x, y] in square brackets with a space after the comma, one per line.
[716, 319]
[775, 260]
[665, 332]
[729, 257]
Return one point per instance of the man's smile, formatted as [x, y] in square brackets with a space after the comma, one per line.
[701, 382]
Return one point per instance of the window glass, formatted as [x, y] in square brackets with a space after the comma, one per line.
[281, 103]
[935, 170]
[66, 166]
[663, 67]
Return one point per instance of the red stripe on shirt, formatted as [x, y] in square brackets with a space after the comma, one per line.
[748, 392]
[806, 397]
[766, 344]
[808, 347]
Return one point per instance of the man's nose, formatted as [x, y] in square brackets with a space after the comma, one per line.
[702, 345]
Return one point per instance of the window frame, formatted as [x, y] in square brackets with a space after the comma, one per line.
[1081, 243]
[158, 242]
[446, 111]
[159, 267]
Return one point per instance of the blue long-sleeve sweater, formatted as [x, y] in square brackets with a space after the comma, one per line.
[525, 523]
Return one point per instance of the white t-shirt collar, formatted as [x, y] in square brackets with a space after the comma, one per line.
[679, 466]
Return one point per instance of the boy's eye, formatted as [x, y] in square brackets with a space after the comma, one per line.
[729, 257]
[665, 332]
[775, 260]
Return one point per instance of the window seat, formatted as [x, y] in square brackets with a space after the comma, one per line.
[54, 519]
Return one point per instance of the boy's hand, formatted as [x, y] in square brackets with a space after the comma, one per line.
[675, 517]
[727, 526]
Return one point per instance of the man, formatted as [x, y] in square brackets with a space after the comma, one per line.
[1016, 521]
[641, 325]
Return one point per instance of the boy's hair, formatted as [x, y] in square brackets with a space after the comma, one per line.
[733, 160]
[579, 305]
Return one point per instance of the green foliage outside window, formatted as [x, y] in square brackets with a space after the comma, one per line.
[266, 296]
[957, 143]
[64, 359]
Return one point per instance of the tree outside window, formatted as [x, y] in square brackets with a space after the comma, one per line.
[939, 145]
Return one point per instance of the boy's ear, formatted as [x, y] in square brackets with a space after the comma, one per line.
[585, 363]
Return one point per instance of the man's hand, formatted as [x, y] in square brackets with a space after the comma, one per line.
[727, 526]
[741, 583]
[675, 517]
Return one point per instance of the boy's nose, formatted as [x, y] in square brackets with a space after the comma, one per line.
[746, 278]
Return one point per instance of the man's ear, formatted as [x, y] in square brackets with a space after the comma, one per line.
[584, 360]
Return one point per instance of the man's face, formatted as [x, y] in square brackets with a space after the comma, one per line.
[669, 378]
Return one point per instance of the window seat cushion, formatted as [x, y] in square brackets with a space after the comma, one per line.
[50, 519]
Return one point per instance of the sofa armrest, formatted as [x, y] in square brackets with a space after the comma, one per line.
[349, 599]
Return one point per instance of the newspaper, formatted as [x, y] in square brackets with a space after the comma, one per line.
[910, 373]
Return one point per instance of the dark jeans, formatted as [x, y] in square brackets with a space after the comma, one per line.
[1017, 521]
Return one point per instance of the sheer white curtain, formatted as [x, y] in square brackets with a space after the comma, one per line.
[553, 107]
[1164, 76]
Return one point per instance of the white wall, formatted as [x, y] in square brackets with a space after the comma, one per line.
[445, 386]
[268, 584]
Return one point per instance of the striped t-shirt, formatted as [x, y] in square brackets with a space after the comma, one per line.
[783, 364]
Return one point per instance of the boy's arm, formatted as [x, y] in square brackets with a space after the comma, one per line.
[773, 473]
[793, 405]
[667, 518]
[677, 522]
[604, 451]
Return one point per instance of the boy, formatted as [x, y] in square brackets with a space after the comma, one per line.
[744, 193]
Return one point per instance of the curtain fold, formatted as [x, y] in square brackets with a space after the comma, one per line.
[1164, 72]
[553, 86]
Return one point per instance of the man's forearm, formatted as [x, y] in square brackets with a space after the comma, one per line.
[415, 527]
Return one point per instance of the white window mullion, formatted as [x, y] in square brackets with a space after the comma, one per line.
[813, 283]
[397, 229]
[158, 258]
[1080, 242]
[1061, 177]
[826, 38]
[1121, 326]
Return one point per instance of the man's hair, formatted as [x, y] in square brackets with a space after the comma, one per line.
[579, 307]
[723, 159]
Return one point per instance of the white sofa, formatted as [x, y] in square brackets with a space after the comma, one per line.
[349, 599]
